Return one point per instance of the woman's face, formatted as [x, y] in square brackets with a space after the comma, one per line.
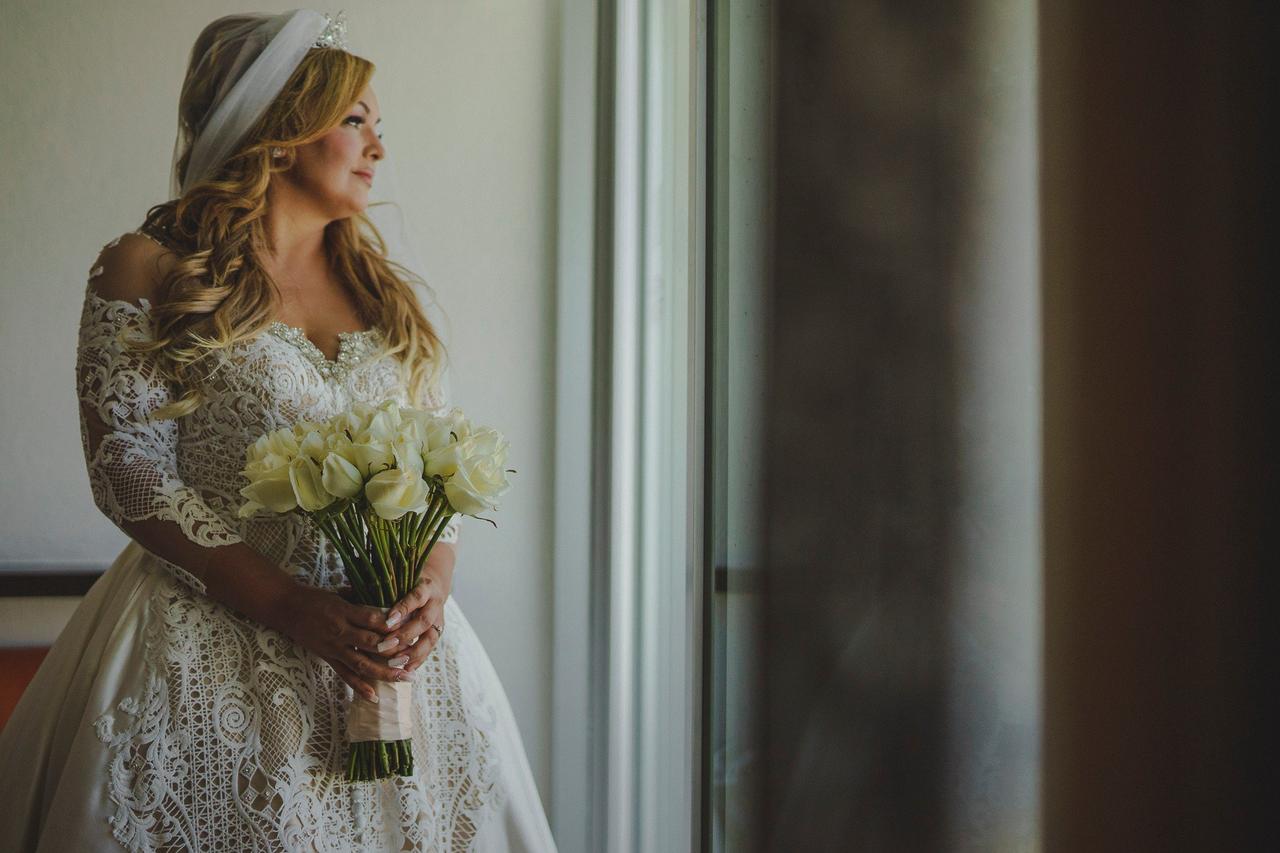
[336, 171]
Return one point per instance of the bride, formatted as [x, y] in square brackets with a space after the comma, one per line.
[197, 699]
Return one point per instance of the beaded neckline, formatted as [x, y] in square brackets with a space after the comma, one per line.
[353, 348]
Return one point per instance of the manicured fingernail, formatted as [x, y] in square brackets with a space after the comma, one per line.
[396, 663]
[389, 643]
[403, 676]
[393, 618]
[414, 641]
[373, 697]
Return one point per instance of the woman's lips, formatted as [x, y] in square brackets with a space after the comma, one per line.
[368, 177]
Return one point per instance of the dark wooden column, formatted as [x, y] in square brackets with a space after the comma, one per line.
[1159, 215]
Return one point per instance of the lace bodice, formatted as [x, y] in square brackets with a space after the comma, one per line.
[187, 471]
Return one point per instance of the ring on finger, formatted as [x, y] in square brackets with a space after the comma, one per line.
[439, 631]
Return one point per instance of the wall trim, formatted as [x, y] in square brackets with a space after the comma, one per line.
[27, 579]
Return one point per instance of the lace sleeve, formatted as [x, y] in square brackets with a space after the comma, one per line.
[132, 457]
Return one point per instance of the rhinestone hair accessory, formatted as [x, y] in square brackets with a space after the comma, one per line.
[335, 31]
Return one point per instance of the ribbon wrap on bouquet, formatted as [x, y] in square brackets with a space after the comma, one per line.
[390, 718]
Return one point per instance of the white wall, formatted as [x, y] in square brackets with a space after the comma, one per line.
[468, 91]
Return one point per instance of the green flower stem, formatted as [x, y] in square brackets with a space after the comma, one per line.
[358, 582]
[377, 548]
[396, 553]
[399, 556]
[423, 519]
[379, 536]
[439, 505]
[387, 534]
[355, 540]
[444, 522]
[373, 524]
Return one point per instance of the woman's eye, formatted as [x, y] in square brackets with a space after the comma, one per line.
[359, 121]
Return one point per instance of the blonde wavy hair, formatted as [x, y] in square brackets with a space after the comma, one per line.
[217, 293]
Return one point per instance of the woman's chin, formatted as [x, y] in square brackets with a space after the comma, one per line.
[349, 206]
[359, 200]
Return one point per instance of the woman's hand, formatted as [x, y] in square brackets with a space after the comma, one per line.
[418, 618]
[341, 633]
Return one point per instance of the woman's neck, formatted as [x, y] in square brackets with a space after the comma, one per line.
[294, 232]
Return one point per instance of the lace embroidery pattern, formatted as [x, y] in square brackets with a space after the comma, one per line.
[132, 463]
[236, 744]
[235, 740]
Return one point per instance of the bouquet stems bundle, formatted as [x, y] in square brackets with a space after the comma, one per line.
[381, 484]
[383, 562]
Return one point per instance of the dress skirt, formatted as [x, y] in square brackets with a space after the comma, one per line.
[161, 720]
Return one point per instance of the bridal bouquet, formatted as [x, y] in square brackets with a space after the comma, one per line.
[380, 482]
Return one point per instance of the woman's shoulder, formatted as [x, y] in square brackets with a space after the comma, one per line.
[131, 267]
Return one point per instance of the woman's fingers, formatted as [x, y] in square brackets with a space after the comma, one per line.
[365, 616]
[418, 622]
[358, 684]
[355, 625]
[369, 668]
[366, 641]
[426, 644]
[417, 597]
[367, 630]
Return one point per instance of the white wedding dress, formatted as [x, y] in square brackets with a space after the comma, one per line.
[163, 721]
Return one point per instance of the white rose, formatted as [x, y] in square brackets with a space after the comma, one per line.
[337, 442]
[302, 428]
[443, 461]
[340, 477]
[282, 442]
[355, 420]
[262, 467]
[272, 490]
[373, 456]
[313, 446]
[384, 424]
[419, 424]
[393, 493]
[488, 442]
[260, 448]
[308, 487]
[479, 478]
[408, 453]
[445, 429]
